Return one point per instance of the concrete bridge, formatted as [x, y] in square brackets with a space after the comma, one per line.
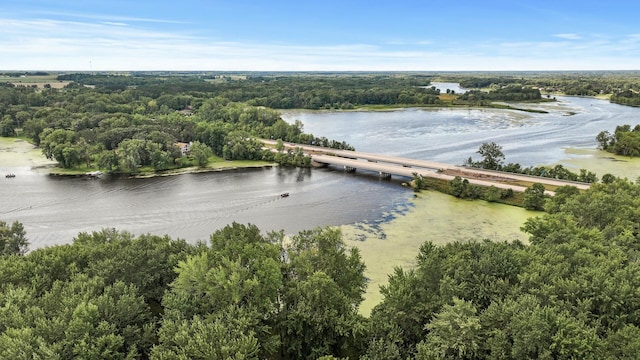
[386, 165]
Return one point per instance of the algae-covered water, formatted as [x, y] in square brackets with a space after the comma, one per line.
[434, 217]
[602, 162]
[17, 153]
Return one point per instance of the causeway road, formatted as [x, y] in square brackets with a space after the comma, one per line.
[480, 176]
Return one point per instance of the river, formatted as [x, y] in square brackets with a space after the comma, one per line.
[381, 217]
[192, 206]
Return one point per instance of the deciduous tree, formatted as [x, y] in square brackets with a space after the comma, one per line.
[492, 156]
[534, 197]
[201, 153]
[13, 240]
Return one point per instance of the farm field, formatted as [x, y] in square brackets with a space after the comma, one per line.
[39, 81]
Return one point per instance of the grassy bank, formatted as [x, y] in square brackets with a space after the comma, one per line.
[215, 164]
[444, 186]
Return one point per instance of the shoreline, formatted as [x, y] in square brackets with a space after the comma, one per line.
[511, 105]
[497, 105]
[196, 170]
[20, 153]
[172, 172]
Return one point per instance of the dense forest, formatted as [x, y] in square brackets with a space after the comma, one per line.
[128, 123]
[281, 91]
[570, 293]
[504, 93]
[125, 130]
[627, 97]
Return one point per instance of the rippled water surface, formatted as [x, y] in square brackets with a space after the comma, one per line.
[452, 135]
[192, 206]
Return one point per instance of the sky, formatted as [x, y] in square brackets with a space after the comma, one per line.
[328, 35]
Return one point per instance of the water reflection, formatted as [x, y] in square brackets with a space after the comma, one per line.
[300, 174]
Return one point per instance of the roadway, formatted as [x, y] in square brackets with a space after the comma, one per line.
[367, 156]
[403, 166]
[409, 171]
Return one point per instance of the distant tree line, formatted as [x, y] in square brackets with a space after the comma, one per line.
[504, 93]
[622, 86]
[280, 92]
[485, 82]
[24, 73]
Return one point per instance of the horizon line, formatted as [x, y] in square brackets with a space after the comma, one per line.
[318, 71]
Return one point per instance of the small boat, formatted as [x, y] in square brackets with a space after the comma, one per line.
[94, 174]
[284, 195]
[9, 176]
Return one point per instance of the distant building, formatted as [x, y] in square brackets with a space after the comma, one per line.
[187, 111]
[185, 148]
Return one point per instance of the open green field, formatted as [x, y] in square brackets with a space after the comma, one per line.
[38, 81]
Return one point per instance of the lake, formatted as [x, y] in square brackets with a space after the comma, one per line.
[451, 135]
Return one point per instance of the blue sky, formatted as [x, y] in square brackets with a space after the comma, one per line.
[328, 35]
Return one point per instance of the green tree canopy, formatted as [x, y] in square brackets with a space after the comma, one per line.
[13, 240]
[492, 156]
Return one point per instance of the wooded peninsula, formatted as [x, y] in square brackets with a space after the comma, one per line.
[572, 291]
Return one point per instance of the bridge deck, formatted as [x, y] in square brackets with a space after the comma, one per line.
[408, 172]
[406, 167]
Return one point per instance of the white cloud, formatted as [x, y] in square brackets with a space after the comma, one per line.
[568, 36]
[409, 42]
[107, 18]
[44, 44]
[114, 23]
